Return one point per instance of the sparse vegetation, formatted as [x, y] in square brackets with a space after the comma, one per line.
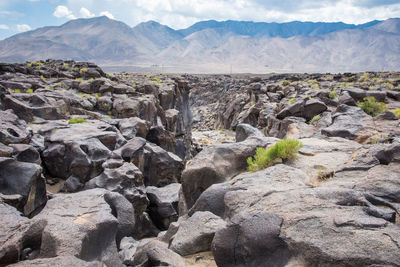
[285, 82]
[333, 94]
[371, 107]
[43, 78]
[397, 112]
[77, 120]
[315, 119]
[83, 70]
[291, 100]
[17, 91]
[283, 149]
[29, 91]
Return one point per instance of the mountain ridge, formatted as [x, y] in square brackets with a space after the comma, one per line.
[213, 46]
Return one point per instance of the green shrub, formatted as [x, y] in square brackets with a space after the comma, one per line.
[285, 82]
[17, 91]
[291, 100]
[83, 70]
[283, 149]
[29, 91]
[315, 119]
[333, 94]
[43, 78]
[371, 107]
[76, 120]
[397, 112]
[79, 80]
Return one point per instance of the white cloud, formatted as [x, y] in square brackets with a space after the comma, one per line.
[85, 13]
[107, 14]
[63, 11]
[183, 13]
[23, 27]
[4, 27]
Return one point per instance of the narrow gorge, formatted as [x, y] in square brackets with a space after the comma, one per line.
[145, 169]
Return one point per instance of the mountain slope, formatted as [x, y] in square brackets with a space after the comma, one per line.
[212, 46]
[263, 29]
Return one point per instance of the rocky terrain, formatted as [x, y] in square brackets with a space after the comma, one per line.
[102, 170]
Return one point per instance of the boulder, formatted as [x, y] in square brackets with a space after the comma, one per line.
[249, 239]
[134, 126]
[196, 233]
[26, 153]
[312, 226]
[12, 223]
[387, 115]
[78, 150]
[48, 106]
[217, 164]
[12, 129]
[24, 179]
[348, 122]
[124, 178]
[158, 166]
[156, 253]
[128, 247]
[86, 224]
[295, 109]
[346, 99]
[63, 261]
[243, 131]
[312, 108]
[163, 208]
[104, 103]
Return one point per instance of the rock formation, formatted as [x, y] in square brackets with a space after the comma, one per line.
[101, 170]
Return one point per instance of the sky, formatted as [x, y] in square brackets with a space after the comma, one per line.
[24, 15]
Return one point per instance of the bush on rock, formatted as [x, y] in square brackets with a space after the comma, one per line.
[283, 149]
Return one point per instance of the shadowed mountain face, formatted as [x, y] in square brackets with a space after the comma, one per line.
[212, 46]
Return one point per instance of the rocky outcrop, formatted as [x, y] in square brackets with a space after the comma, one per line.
[195, 234]
[24, 181]
[217, 164]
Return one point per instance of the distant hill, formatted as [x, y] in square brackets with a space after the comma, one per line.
[212, 46]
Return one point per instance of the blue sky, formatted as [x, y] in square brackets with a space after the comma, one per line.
[22, 15]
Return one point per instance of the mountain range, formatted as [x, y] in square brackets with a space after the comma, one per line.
[214, 47]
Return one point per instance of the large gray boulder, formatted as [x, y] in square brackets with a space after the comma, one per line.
[132, 127]
[12, 223]
[249, 239]
[48, 106]
[196, 233]
[12, 129]
[163, 208]
[77, 152]
[124, 178]
[217, 164]
[156, 253]
[23, 179]
[158, 166]
[63, 261]
[87, 225]
[313, 225]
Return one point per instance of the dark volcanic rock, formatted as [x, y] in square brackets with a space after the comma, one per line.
[24, 179]
[12, 129]
[249, 239]
[79, 150]
[163, 208]
[158, 166]
[217, 164]
[195, 234]
[62, 261]
[85, 224]
[156, 253]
